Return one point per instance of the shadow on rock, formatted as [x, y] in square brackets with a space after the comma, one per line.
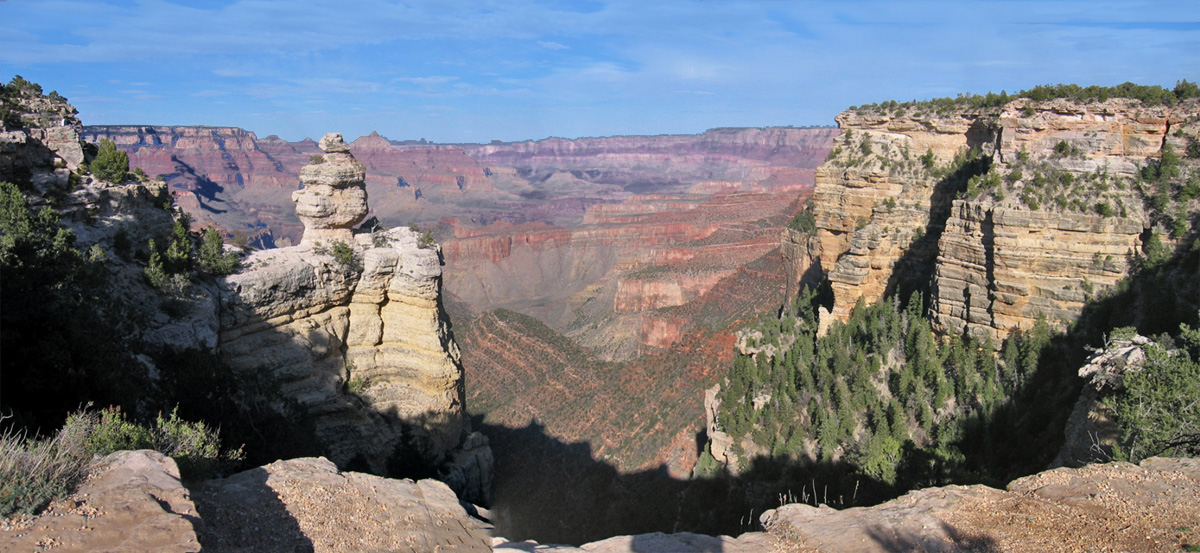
[243, 513]
[557, 492]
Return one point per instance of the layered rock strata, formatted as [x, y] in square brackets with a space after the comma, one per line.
[333, 199]
[892, 212]
[352, 329]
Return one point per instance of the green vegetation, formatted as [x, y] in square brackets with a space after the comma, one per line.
[424, 237]
[168, 270]
[35, 472]
[59, 329]
[316, 159]
[881, 392]
[1148, 95]
[804, 220]
[111, 165]
[10, 95]
[1159, 409]
[343, 254]
[212, 256]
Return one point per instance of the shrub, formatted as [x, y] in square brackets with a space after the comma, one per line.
[804, 221]
[35, 472]
[424, 237]
[316, 159]
[1158, 410]
[213, 259]
[425, 241]
[927, 160]
[111, 165]
[342, 253]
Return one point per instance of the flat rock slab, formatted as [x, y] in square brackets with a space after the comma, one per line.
[1115, 507]
[305, 505]
[134, 502]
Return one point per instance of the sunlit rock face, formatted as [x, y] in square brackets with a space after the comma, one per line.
[887, 219]
[333, 199]
[350, 326]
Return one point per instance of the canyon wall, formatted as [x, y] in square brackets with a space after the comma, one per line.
[229, 177]
[1002, 214]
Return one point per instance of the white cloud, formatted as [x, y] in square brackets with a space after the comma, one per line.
[551, 45]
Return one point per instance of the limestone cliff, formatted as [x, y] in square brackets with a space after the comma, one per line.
[1002, 214]
[351, 327]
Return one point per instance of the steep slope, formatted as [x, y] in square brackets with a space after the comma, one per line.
[338, 346]
[1002, 213]
[352, 328]
[948, 292]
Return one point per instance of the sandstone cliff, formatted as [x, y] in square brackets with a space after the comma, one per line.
[354, 332]
[1003, 214]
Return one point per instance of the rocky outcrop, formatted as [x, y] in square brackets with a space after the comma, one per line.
[308, 505]
[333, 197]
[897, 209]
[1001, 267]
[801, 260]
[39, 139]
[132, 502]
[135, 502]
[1092, 431]
[351, 328]
[1113, 507]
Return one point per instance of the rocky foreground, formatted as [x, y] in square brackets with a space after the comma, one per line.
[135, 501]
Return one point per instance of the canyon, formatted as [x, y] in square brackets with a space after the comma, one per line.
[611, 242]
[584, 296]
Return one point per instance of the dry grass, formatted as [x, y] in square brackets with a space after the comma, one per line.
[34, 472]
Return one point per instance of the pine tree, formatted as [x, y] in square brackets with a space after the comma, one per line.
[111, 165]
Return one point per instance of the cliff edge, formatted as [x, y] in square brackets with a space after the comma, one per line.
[350, 326]
[1001, 214]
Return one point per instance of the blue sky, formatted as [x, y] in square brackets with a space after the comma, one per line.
[474, 71]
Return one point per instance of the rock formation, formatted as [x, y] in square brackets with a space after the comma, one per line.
[351, 327]
[40, 141]
[1153, 506]
[132, 502]
[333, 199]
[895, 210]
[135, 502]
[230, 177]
